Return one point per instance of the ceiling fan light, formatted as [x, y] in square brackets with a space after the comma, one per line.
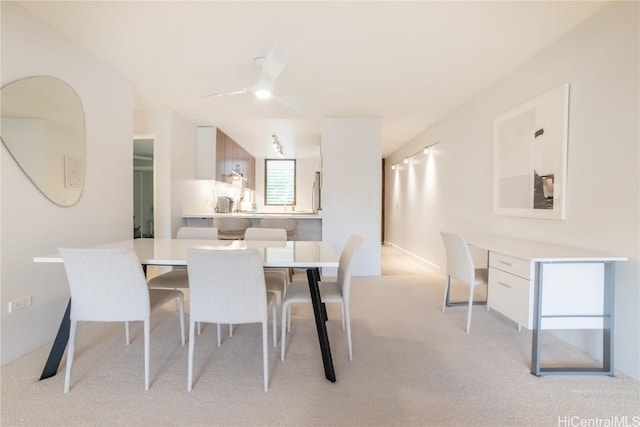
[263, 94]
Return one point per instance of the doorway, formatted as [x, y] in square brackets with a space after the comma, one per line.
[143, 186]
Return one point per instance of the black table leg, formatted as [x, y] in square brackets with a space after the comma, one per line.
[323, 307]
[59, 344]
[313, 275]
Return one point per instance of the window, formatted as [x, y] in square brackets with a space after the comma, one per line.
[279, 182]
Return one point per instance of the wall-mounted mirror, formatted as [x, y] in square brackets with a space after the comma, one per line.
[530, 157]
[43, 129]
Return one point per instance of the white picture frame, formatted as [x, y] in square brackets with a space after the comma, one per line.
[530, 157]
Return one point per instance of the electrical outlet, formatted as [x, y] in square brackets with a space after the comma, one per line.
[19, 304]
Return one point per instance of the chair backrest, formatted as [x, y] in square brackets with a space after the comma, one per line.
[345, 264]
[226, 286]
[106, 284]
[289, 224]
[231, 224]
[269, 234]
[459, 260]
[207, 233]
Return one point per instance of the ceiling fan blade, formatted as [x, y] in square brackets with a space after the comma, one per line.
[290, 101]
[227, 92]
[275, 60]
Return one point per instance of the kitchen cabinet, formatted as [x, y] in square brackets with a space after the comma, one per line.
[229, 154]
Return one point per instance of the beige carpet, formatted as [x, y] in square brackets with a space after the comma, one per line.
[413, 365]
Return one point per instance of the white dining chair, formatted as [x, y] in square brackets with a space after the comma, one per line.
[460, 267]
[227, 286]
[336, 291]
[108, 285]
[276, 279]
[177, 278]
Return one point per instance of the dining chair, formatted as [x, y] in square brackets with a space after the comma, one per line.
[336, 291]
[289, 224]
[108, 285]
[230, 228]
[177, 277]
[228, 286]
[277, 279]
[460, 267]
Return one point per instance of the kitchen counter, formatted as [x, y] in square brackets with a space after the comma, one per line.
[251, 215]
[309, 224]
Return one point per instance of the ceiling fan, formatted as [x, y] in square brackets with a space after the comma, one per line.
[270, 67]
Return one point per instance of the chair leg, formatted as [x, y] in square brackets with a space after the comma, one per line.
[147, 332]
[347, 318]
[469, 310]
[219, 333]
[283, 334]
[445, 297]
[126, 332]
[274, 323]
[342, 313]
[265, 355]
[70, 350]
[230, 330]
[192, 327]
[180, 302]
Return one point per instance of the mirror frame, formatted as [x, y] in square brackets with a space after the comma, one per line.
[49, 135]
[530, 145]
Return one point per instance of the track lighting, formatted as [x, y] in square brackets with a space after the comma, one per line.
[277, 147]
[426, 150]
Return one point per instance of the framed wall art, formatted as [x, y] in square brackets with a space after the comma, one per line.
[530, 157]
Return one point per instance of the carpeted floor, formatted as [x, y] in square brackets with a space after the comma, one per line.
[413, 365]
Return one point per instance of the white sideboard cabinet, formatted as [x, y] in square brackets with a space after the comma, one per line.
[543, 286]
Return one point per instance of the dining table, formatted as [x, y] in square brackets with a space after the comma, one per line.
[308, 255]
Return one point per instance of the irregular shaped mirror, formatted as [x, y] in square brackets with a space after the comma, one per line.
[42, 126]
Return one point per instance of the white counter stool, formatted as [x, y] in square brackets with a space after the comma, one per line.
[289, 224]
[231, 228]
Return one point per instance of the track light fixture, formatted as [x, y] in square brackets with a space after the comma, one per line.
[277, 147]
[426, 150]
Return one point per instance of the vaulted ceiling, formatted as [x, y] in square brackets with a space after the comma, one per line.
[408, 63]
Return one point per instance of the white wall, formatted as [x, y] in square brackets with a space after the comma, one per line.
[31, 224]
[453, 189]
[174, 164]
[351, 187]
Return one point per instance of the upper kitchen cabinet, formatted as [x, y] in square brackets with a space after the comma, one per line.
[226, 157]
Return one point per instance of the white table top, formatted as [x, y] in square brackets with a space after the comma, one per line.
[538, 251]
[292, 253]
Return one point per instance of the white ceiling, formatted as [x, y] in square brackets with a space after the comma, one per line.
[409, 63]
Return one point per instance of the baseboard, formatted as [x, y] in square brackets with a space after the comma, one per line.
[435, 267]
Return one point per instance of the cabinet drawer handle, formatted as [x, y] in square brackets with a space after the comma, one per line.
[505, 285]
[506, 263]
